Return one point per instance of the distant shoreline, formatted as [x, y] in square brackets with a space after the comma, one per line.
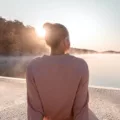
[32, 55]
[88, 51]
[71, 51]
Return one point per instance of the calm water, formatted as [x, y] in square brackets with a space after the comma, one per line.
[104, 69]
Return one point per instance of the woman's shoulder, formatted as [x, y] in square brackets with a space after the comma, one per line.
[78, 59]
[34, 61]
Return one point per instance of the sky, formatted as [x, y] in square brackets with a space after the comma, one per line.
[92, 24]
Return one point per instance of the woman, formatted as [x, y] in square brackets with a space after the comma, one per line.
[57, 85]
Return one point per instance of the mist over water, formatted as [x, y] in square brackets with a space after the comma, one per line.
[104, 68]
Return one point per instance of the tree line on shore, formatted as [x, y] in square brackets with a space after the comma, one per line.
[18, 39]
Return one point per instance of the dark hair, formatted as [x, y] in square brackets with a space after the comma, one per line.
[55, 33]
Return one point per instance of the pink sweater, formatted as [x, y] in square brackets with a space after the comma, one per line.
[57, 88]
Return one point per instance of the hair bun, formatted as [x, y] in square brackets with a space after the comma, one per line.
[47, 25]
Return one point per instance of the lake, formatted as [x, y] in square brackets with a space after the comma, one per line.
[104, 68]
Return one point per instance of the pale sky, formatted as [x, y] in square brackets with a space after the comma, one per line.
[93, 24]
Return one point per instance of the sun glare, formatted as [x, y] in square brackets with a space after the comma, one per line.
[40, 31]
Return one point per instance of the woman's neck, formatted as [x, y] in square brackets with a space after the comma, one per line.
[57, 52]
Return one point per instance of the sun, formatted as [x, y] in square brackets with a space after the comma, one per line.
[40, 31]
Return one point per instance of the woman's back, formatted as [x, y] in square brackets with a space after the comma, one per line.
[58, 88]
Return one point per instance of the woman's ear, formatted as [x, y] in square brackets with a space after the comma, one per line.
[66, 43]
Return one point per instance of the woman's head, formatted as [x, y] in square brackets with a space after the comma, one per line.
[57, 36]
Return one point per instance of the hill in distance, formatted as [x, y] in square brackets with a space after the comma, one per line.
[111, 52]
[87, 51]
[81, 51]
